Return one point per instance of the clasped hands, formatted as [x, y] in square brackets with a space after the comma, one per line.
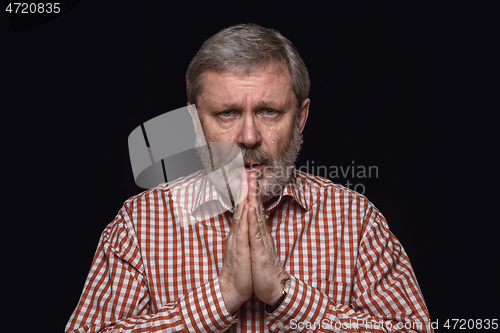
[251, 264]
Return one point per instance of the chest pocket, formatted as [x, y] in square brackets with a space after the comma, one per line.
[338, 292]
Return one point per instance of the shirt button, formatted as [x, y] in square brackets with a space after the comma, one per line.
[280, 325]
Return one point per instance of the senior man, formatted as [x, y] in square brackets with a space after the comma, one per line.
[298, 253]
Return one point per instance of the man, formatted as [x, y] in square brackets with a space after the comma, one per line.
[298, 253]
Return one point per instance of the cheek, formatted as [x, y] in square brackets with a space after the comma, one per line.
[220, 136]
[214, 133]
[276, 135]
[278, 141]
[270, 138]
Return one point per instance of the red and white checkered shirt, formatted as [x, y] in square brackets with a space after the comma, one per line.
[153, 273]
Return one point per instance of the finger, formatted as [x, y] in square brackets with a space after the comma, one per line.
[259, 208]
[256, 216]
[254, 230]
[254, 194]
[259, 194]
[238, 213]
[243, 226]
[242, 190]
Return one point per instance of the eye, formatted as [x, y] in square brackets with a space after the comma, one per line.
[270, 112]
[226, 114]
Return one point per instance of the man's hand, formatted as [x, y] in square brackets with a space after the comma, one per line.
[235, 278]
[267, 271]
[251, 264]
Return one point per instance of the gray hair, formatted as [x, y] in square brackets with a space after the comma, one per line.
[243, 48]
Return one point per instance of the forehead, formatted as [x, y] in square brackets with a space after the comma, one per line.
[269, 84]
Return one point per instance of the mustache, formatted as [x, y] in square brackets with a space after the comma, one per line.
[257, 155]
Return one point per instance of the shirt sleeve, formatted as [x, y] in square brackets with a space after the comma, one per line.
[116, 295]
[385, 295]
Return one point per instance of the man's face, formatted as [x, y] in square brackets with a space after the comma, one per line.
[258, 112]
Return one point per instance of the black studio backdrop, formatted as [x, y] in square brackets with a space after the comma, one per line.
[393, 88]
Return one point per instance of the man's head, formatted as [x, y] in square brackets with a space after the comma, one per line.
[250, 87]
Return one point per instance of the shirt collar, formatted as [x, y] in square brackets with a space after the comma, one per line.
[206, 192]
[195, 198]
[301, 189]
[203, 199]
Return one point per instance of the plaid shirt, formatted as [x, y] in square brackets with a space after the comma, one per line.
[153, 273]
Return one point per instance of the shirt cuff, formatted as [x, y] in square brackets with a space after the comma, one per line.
[303, 304]
[203, 309]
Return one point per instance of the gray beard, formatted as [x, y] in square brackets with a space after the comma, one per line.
[273, 176]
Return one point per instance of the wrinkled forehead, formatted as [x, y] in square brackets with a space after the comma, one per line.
[268, 85]
[270, 67]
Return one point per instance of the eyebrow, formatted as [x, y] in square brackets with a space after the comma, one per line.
[261, 104]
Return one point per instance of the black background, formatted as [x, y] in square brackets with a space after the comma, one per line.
[394, 85]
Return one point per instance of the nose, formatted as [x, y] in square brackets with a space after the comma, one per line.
[249, 136]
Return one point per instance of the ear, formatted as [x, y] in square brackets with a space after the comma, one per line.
[304, 113]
